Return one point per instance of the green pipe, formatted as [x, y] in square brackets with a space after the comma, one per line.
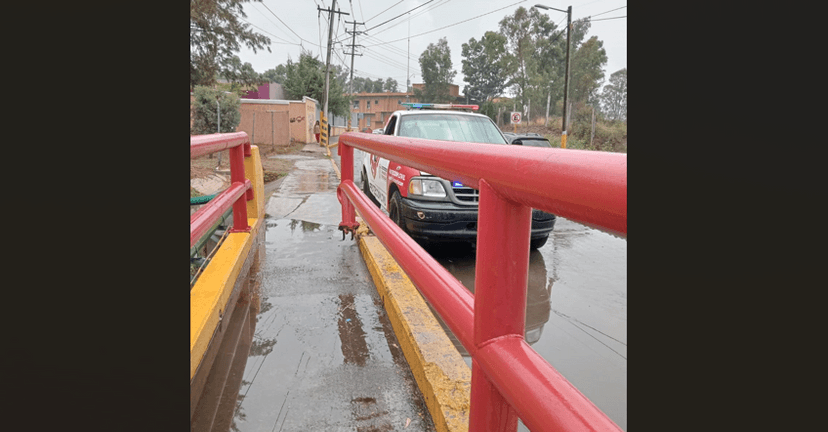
[201, 199]
[206, 236]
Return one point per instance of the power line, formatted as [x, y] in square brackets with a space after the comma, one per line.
[412, 10]
[622, 7]
[604, 19]
[288, 27]
[369, 19]
[271, 21]
[286, 43]
[451, 25]
[420, 13]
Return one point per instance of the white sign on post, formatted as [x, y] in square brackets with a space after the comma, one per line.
[515, 118]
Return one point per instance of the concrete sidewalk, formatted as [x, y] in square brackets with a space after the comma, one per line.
[324, 354]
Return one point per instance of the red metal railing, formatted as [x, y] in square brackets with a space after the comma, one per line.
[236, 195]
[509, 379]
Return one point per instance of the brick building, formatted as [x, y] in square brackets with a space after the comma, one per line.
[371, 110]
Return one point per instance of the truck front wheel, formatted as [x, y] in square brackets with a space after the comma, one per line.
[395, 211]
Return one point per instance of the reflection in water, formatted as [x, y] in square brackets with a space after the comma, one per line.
[354, 347]
[217, 406]
[306, 226]
[459, 260]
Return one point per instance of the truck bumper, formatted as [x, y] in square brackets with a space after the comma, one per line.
[447, 222]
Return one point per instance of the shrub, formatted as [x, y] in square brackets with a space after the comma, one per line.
[205, 116]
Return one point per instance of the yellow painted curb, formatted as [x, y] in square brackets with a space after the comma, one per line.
[209, 295]
[442, 375]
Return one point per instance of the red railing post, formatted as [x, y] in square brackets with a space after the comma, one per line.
[237, 176]
[346, 154]
[501, 274]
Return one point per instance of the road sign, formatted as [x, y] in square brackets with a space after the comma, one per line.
[515, 118]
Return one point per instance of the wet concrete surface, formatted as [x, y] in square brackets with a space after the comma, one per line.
[323, 354]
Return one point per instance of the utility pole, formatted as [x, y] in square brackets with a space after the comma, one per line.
[353, 52]
[566, 76]
[328, 59]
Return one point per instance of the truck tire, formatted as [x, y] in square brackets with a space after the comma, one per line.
[537, 243]
[395, 211]
[365, 188]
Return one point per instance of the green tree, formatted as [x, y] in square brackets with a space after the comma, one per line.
[205, 111]
[485, 67]
[390, 85]
[587, 72]
[435, 62]
[614, 96]
[534, 54]
[215, 35]
[277, 74]
[307, 78]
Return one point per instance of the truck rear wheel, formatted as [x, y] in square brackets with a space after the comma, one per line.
[365, 188]
[537, 243]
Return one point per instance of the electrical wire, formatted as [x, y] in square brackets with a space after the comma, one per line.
[418, 14]
[265, 31]
[369, 19]
[452, 25]
[412, 10]
[604, 19]
[288, 27]
[622, 7]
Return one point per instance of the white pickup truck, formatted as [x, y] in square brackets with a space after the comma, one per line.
[428, 208]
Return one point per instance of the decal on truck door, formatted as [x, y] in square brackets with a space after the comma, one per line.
[374, 163]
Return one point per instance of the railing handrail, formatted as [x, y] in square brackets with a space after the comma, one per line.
[236, 195]
[588, 187]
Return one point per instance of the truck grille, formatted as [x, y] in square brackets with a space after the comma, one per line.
[466, 194]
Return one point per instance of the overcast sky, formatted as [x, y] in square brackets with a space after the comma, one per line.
[292, 25]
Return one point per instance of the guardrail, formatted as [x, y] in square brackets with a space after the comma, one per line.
[236, 195]
[213, 294]
[509, 379]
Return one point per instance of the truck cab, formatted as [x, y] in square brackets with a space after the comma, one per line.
[428, 208]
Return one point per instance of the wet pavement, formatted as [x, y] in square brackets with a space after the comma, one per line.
[576, 309]
[323, 354]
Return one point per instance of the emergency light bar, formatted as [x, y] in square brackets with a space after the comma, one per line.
[411, 105]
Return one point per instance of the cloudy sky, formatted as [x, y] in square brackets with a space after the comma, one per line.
[297, 24]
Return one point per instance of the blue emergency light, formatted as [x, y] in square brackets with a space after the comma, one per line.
[418, 105]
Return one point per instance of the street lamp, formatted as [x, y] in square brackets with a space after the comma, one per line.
[568, 12]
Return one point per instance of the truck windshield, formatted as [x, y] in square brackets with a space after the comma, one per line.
[450, 127]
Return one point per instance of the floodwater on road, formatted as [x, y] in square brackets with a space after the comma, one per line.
[576, 311]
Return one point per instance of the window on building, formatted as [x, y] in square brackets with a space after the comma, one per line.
[356, 104]
[376, 102]
[367, 105]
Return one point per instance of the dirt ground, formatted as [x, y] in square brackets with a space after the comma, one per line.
[204, 166]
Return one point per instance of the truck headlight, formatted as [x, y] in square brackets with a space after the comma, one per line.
[424, 187]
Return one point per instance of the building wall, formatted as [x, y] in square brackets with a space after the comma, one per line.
[278, 134]
[293, 120]
[382, 105]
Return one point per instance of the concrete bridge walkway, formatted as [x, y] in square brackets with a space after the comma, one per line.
[323, 354]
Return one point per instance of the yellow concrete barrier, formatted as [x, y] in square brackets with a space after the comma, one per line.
[212, 290]
[443, 377]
